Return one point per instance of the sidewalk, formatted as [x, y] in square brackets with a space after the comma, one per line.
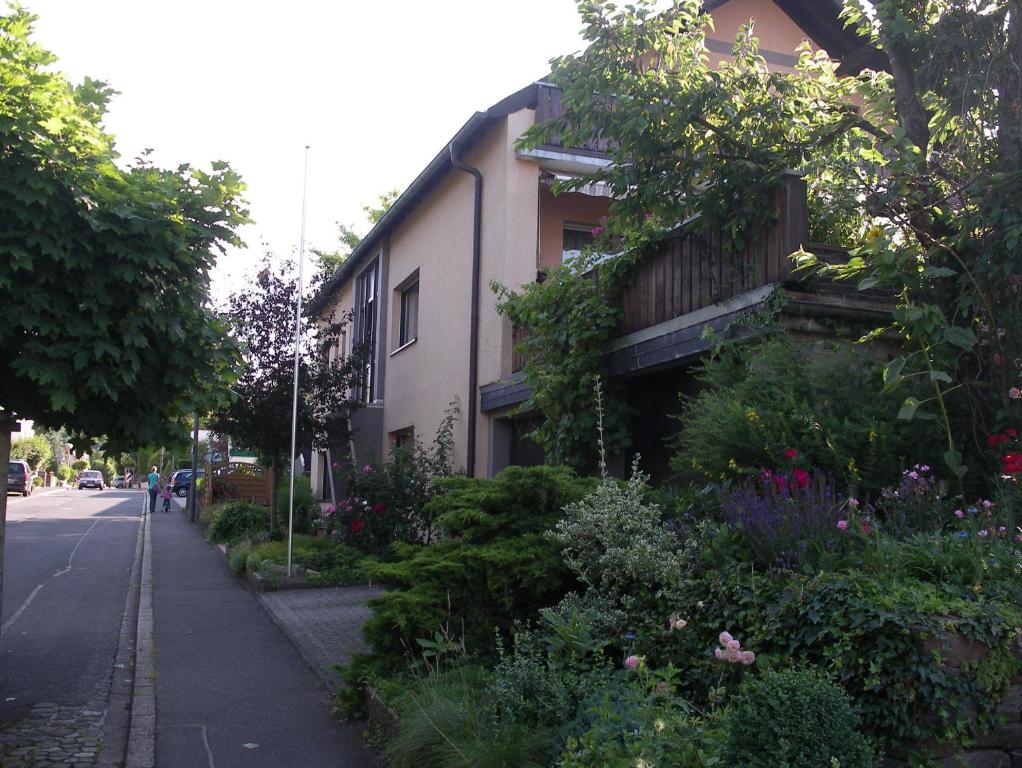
[231, 688]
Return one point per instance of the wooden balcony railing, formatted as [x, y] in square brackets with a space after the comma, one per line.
[691, 271]
[548, 105]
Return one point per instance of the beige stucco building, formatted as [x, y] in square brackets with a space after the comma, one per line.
[482, 211]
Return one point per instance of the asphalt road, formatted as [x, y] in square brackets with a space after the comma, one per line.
[68, 558]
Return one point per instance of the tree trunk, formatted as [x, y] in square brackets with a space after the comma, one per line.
[5, 456]
[273, 494]
[1009, 138]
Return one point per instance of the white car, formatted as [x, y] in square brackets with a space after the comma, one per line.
[91, 478]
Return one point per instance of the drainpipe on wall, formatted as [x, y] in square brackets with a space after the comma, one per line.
[473, 357]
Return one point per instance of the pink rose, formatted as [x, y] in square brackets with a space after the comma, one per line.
[842, 525]
[747, 657]
[959, 514]
[632, 662]
[1014, 393]
[791, 453]
[725, 638]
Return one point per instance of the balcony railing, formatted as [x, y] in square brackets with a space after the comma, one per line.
[691, 271]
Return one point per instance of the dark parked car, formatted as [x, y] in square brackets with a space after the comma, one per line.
[91, 478]
[181, 481]
[19, 477]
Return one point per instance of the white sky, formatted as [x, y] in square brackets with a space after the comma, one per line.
[375, 88]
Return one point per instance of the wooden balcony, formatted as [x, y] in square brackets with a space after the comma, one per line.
[548, 105]
[692, 283]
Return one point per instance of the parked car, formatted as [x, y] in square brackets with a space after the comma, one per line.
[19, 477]
[181, 481]
[91, 478]
[118, 482]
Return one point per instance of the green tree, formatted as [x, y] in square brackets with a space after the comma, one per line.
[348, 238]
[262, 318]
[35, 450]
[104, 269]
[918, 170]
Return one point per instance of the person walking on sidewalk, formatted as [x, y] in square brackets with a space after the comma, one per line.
[166, 496]
[154, 487]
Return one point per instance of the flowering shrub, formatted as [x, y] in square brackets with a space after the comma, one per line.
[788, 519]
[918, 503]
[731, 651]
[760, 399]
[388, 501]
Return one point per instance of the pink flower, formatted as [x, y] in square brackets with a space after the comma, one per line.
[725, 638]
[357, 526]
[367, 470]
[747, 657]
[853, 503]
[733, 645]
[597, 231]
[1014, 393]
[791, 453]
[329, 509]
[866, 527]
[987, 504]
[677, 623]
[842, 525]
[632, 662]
[959, 514]
[800, 478]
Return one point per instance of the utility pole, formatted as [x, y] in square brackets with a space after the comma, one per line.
[195, 468]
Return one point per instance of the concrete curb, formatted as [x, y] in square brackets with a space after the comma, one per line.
[142, 735]
[117, 723]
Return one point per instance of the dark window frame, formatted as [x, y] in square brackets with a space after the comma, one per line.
[408, 326]
[367, 304]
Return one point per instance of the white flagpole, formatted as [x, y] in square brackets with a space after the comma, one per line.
[294, 401]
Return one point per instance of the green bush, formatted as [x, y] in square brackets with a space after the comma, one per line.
[233, 520]
[306, 506]
[794, 718]
[494, 564]
[868, 630]
[64, 472]
[237, 556]
[823, 400]
[628, 724]
[448, 724]
[37, 481]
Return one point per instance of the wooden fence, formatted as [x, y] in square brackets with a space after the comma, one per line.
[236, 480]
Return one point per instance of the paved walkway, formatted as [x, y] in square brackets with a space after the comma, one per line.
[232, 690]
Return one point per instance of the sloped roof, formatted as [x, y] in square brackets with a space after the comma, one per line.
[820, 19]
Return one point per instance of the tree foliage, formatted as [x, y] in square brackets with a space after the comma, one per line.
[916, 169]
[104, 269]
[262, 321]
[348, 238]
[35, 450]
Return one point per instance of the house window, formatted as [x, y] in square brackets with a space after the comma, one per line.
[409, 331]
[367, 291]
[577, 237]
[404, 438]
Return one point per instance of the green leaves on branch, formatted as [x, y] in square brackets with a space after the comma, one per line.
[104, 270]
